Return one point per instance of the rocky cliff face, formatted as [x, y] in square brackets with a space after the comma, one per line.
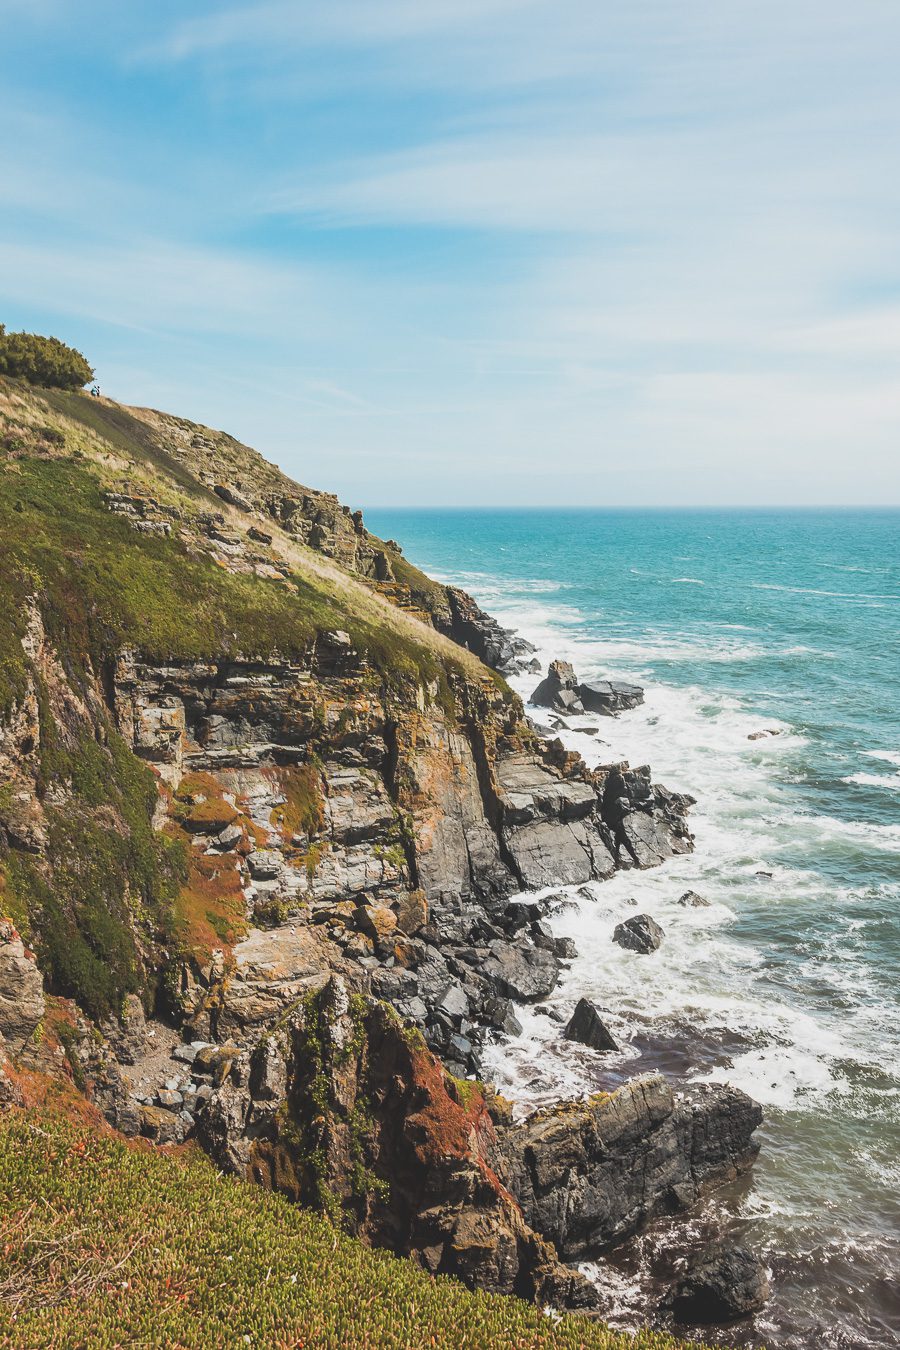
[342, 1105]
[21, 992]
[399, 829]
[267, 851]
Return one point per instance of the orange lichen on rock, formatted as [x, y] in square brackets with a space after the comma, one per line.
[210, 910]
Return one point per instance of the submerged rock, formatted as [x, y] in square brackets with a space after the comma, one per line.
[691, 900]
[522, 973]
[640, 934]
[728, 1283]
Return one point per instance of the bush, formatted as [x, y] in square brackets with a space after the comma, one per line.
[42, 360]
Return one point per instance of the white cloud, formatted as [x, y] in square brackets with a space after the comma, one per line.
[348, 24]
[541, 250]
[871, 335]
[155, 284]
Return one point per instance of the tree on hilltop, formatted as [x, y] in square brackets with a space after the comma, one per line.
[42, 360]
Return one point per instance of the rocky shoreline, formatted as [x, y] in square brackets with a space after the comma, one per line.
[439, 936]
[370, 869]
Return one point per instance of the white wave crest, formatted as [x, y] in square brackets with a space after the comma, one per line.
[890, 782]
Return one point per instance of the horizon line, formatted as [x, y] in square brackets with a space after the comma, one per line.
[698, 506]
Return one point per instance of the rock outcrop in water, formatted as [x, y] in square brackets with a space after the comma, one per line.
[588, 1028]
[588, 1174]
[266, 825]
[498, 647]
[639, 934]
[727, 1283]
[562, 691]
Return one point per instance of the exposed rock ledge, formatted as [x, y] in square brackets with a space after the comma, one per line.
[21, 991]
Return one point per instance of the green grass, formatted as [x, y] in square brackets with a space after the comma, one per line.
[102, 587]
[102, 1245]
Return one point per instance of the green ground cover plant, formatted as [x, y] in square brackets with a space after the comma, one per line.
[107, 1245]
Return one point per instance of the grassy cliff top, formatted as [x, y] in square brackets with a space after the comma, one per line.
[190, 581]
[106, 1245]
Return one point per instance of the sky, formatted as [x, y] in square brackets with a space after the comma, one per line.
[476, 252]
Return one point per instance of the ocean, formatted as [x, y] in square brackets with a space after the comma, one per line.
[788, 984]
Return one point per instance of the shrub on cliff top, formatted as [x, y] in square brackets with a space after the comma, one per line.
[42, 360]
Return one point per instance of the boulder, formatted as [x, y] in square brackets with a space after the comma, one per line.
[378, 921]
[231, 495]
[640, 934]
[453, 1002]
[520, 913]
[161, 1125]
[726, 1284]
[412, 912]
[609, 697]
[227, 838]
[559, 690]
[21, 990]
[499, 1013]
[265, 864]
[525, 974]
[588, 1028]
[186, 1053]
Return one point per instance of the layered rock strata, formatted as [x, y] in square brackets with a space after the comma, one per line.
[267, 892]
[588, 1174]
[342, 1106]
[417, 826]
[21, 991]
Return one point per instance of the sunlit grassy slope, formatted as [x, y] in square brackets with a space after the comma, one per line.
[104, 1245]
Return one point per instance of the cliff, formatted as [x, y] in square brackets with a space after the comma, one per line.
[262, 816]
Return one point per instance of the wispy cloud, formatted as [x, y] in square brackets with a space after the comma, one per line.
[349, 24]
[554, 247]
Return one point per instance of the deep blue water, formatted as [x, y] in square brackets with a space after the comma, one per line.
[738, 622]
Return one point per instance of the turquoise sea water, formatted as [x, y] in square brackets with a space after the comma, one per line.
[788, 985]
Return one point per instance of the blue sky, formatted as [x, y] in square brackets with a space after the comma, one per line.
[476, 251]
